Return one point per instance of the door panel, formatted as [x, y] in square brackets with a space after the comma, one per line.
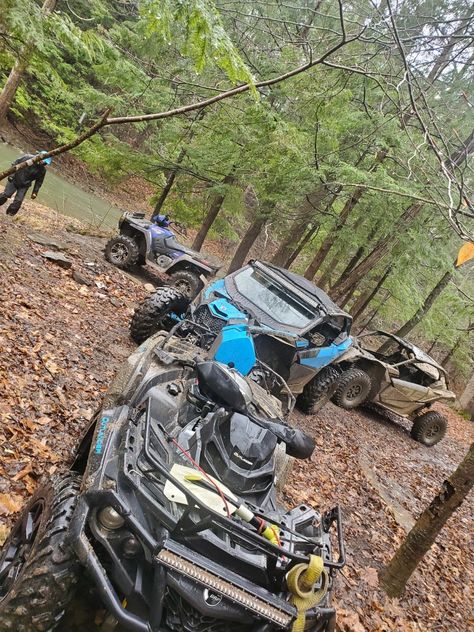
[405, 397]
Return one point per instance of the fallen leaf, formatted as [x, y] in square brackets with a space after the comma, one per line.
[10, 503]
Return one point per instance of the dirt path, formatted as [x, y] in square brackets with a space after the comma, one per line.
[60, 343]
[383, 479]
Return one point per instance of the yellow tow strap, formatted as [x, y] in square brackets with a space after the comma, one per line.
[300, 580]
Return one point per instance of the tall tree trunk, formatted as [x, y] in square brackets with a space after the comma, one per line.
[358, 254]
[384, 245]
[249, 239]
[173, 172]
[378, 252]
[341, 221]
[374, 314]
[15, 77]
[466, 400]
[453, 349]
[332, 235]
[298, 227]
[212, 213]
[169, 182]
[394, 576]
[365, 299]
[426, 306]
[433, 344]
[312, 232]
[325, 280]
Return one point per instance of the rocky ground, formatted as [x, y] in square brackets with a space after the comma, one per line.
[64, 331]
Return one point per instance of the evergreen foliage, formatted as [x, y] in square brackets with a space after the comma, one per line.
[319, 131]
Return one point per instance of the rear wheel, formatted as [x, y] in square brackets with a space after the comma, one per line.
[187, 282]
[429, 428]
[352, 388]
[38, 569]
[318, 391]
[122, 251]
[155, 313]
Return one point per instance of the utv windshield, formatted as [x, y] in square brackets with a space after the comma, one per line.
[273, 299]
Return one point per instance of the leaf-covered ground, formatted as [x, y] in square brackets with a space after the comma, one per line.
[61, 341]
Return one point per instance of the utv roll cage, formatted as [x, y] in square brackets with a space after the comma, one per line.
[324, 308]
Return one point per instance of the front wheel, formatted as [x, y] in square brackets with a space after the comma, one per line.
[187, 282]
[38, 569]
[318, 391]
[122, 251]
[159, 311]
[429, 428]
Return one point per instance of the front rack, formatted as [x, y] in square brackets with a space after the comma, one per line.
[243, 535]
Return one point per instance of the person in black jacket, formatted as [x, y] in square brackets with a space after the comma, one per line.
[20, 182]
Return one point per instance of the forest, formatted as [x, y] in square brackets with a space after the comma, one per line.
[355, 172]
[331, 138]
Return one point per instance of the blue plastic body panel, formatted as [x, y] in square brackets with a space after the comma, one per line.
[235, 345]
[218, 287]
[221, 308]
[326, 355]
[158, 231]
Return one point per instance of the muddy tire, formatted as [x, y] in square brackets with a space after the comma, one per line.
[38, 570]
[152, 314]
[429, 428]
[122, 251]
[352, 388]
[187, 282]
[317, 391]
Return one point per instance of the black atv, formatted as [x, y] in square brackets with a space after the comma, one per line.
[170, 509]
[142, 242]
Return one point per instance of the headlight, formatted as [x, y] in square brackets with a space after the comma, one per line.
[110, 519]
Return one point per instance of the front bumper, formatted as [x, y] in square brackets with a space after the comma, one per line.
[169, 557]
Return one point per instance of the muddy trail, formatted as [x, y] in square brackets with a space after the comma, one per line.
[63, 333]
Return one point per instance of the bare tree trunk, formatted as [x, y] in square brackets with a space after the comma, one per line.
[325, 280]
[247, 242]
[378, 252]
[453, 350]
[332, 235]
[312, 232]
[298, 227]
[467, 398]
[365, 299]
[341, 221]
[426, 306]
[212, 213]
[432, 345]
[169, 183]
[359, 252]
[17, 72]
[374, 313]
[394, 576]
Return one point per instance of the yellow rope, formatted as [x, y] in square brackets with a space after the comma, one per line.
[300, 580]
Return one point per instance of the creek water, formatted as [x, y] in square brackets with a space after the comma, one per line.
[65, 197]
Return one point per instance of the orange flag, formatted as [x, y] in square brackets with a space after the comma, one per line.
[466, 252]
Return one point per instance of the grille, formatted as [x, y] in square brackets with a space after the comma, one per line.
[183, 617]
[202, 316]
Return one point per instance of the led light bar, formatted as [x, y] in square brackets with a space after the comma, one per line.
[225, 588]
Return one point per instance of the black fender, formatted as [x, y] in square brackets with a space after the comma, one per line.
[140, 235]
[81, 453]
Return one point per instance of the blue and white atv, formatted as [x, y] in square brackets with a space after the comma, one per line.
[264, 321]
[153, 243]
